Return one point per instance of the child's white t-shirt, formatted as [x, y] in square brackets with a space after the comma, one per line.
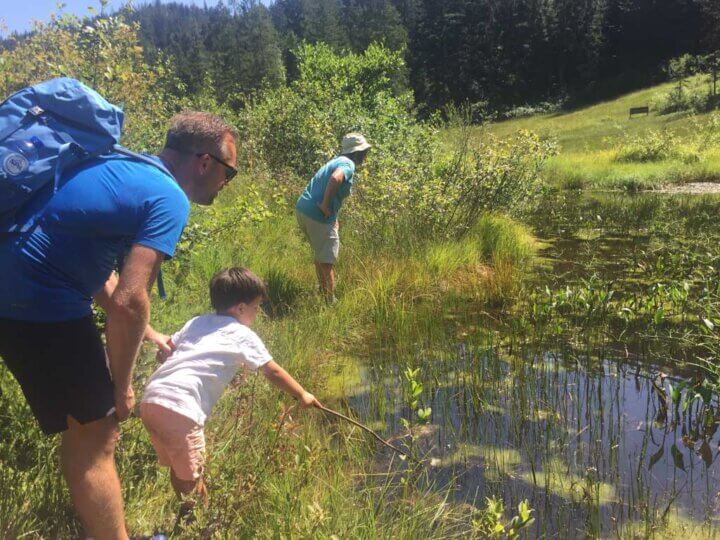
[209, 351]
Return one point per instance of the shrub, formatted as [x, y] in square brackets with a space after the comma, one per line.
[654, 146]
[297, 128]
[408, 190]
[543, 107]
[501, 175]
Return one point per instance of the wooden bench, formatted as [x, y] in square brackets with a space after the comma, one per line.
[639, 110]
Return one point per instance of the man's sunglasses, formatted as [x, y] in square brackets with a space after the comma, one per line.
[230, 172]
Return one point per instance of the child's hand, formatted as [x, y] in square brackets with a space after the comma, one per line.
[308, 400]
[164, 344]
[165, 349]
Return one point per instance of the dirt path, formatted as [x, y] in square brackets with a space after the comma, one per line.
[692, 188]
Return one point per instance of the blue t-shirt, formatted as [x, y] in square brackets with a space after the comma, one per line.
[86, 228]
[315, 190]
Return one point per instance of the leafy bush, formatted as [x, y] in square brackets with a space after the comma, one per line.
[408, 190]
[105, 54]
[501, 175]
[654, 146]
[543, 107]
[296, 129]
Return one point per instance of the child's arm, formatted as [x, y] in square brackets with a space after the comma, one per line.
[163, 342]
[284, 381]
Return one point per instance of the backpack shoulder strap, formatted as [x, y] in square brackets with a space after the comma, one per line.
[145, 159]
[158, 165]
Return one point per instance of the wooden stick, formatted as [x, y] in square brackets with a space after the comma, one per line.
[370, 431]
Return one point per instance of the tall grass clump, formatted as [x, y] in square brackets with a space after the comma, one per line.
[654, 146]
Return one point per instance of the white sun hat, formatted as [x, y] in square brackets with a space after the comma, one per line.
[354, 142]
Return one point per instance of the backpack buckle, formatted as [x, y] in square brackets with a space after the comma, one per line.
[35, 111]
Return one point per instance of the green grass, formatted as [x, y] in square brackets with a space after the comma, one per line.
[588, 140]
[273, 474]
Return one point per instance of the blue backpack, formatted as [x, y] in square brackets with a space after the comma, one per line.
[63, 123]
[45, 130]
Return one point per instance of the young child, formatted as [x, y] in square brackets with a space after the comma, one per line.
[207, 353]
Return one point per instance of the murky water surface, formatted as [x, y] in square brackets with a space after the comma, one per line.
[582, 427]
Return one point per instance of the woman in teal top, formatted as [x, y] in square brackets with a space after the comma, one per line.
[318, 207]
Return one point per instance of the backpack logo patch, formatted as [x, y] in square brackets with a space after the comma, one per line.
[14, 164]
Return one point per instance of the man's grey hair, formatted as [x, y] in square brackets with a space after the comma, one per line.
[198, 132]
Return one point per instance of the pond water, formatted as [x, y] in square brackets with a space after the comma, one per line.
[582, 411]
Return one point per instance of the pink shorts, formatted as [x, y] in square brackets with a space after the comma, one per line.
[178, 441]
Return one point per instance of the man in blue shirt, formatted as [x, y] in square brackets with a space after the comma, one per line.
[318, 206]
[110, 211]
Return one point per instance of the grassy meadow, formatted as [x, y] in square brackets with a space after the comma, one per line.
[591, 142]
[273, 471]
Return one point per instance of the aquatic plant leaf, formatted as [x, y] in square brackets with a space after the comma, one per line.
[676, 392]
[678, 457]
[524, 511]
[424, 414]
[657, 456]
[705, 453]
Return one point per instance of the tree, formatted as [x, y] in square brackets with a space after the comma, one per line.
[711, 24]
[245, 51]
[373, 21]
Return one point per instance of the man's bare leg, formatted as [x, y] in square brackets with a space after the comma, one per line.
[328, 280]
[87, 456]
[320, 277]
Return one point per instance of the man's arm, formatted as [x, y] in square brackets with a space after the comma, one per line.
[336, 178]
[128, 312]
[102, 299]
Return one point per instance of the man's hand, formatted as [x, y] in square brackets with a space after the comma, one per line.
[336, 178]
[324, 209]
[308, 400]
[127, 318]
[124, 402]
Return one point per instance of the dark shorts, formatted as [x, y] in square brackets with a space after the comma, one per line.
[61, 368]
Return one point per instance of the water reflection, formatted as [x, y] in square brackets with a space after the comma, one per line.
[593, 432]
[589, 442]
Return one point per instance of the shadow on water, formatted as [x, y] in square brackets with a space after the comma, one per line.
[587, 441]
[589, 432]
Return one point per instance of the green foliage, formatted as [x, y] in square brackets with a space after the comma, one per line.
[245, 53]
[414, 390]
[284, 291]
[667, 145]
[686, 96]
[654, 146]
[501, 175]
[489, 523]
[106, 55]
[408, 188]
[333, 94]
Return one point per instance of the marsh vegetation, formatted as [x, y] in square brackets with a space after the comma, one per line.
[549, 356]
